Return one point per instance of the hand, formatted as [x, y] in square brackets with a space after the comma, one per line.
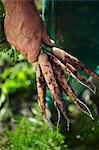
[24, 28]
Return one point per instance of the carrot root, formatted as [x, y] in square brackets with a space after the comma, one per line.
[60, 65]
[69, 91]
[67, 58]
[52, 84]
[41, 89]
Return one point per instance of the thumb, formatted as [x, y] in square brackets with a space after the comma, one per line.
[46, 39]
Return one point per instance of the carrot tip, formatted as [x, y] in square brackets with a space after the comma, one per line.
[87, 111]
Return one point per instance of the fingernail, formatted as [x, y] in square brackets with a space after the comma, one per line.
[54, 48]
[52, 41]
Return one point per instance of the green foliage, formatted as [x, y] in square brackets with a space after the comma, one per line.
[33, 136]
[15, 78]
[36, 135]
[4, 47]
[1, 9]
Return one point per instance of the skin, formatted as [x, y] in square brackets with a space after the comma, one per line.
[24, 28]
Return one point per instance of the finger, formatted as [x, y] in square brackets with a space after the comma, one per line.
[46, 39]
[33, 50]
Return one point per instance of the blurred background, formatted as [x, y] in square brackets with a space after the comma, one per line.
[74, 25]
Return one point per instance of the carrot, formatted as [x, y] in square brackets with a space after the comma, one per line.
[69, 91]
[52, 84]
[67, 58]
[81, 77]
[60, 65]
[41, 89]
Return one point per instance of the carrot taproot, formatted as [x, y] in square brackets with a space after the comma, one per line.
[52, 84]
[81, 77]
[60, 65]
[40, 89]
[69, 91]
[67, 58]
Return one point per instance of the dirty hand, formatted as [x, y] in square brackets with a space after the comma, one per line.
[24, 28]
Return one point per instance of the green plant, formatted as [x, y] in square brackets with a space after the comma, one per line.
[32, 136]
[14, 81]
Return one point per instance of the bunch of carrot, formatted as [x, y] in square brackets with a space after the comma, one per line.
[50, 71]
